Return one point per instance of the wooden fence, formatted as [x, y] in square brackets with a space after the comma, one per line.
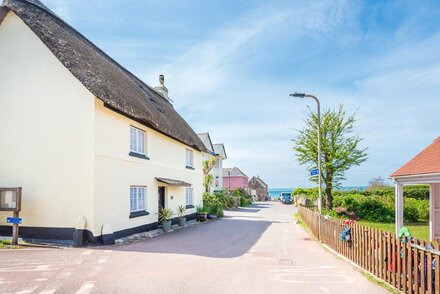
[411, 266]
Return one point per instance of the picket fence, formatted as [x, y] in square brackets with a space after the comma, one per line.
[411, 266]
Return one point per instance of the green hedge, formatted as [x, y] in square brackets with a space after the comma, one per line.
[378, 205]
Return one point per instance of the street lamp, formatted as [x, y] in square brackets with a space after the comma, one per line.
[303, 95]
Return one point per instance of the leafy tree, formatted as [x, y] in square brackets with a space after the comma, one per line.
[207, 167]
[340, 147]
[376, 183]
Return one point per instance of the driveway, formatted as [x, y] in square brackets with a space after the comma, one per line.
[259, 249]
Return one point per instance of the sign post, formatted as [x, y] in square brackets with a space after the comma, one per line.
[314, 172]
[10, 200]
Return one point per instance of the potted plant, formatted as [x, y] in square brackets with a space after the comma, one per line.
[201, 214]
[165, 215]
[181, 214]
[212, 213]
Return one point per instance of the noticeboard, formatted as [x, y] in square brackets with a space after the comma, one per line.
[10, 199]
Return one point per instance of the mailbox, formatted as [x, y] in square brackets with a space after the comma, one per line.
[10, 199]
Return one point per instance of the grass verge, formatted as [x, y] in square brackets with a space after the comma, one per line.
[418, 230]
[5, 244]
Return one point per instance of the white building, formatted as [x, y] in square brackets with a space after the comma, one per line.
[219, 153]
[83, 136]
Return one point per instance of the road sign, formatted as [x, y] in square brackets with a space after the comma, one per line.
[14, 220]
[314, 172]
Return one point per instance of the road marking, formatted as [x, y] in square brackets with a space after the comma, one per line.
[44, 267]
[86, 288]
[76, 262]
[309, 275]
[87, 252]
[28, 290]
[48, 291]
[66, 273]
[22, 281]
[325, 290]
[96, 270]
[103, 259]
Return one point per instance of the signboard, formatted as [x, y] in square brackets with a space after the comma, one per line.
[14, 220]
[10, 199]
[314, 172]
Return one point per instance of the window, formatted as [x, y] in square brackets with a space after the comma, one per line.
[189, 158]
[137, 141]
[189, 197]
[137, 198]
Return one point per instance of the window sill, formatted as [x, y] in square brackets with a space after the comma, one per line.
[189, 206]
[138, 213]
[138, 155]
[190, 167]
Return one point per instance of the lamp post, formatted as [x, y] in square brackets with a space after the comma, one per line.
[303, 95]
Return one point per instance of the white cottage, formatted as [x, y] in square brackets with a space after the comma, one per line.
[84, 137]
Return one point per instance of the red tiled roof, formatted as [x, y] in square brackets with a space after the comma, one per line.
[426, 162]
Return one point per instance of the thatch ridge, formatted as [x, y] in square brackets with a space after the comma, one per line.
[119, 89]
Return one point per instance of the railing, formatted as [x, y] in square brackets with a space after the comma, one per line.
[411, 266]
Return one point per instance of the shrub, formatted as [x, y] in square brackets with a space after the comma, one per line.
[231, 202]
[214, 203]
[415, 210]
[372, 209]
[245, 201]
[410, 211]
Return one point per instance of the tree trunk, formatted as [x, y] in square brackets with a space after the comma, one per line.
[329, 196]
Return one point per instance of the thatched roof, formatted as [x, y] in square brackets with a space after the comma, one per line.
[119, 89]
[254, 182]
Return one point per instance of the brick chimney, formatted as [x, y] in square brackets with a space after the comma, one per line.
[161, 88]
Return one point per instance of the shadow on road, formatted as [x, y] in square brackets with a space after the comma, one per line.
[224, 238]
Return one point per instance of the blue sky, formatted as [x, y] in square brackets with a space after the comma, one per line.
[230, 66]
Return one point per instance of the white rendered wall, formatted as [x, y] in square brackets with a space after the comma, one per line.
[46, 131]
[116, 171]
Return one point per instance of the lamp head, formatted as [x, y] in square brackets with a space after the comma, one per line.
[299, 95]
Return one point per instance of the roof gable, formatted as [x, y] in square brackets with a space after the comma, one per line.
[426, 162]
[119, 89]
[255, 182]
[206, 139]
[219, 149]
[233, 172]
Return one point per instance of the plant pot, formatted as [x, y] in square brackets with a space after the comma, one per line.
[201, 217]
[166, 225]
[182, 221]
[212, 216]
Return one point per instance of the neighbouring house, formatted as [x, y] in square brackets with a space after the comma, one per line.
[85, 138]
[424, 168]
[218, 152]
[234, 178]
[258, 188]
[217, 170]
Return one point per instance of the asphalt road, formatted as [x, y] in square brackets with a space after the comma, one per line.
[259, 249]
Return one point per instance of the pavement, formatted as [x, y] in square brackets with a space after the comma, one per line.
[258, 249]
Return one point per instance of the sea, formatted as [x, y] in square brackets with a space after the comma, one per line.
[275, 192]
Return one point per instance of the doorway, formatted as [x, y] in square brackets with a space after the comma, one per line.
[161, 196]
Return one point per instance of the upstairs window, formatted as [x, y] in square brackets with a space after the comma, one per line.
[137, 141]
[189, 158]
[189, 197]
[137, 198]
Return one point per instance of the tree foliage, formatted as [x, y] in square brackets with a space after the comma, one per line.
[207, 166]
[376, 183]
[340, 147]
